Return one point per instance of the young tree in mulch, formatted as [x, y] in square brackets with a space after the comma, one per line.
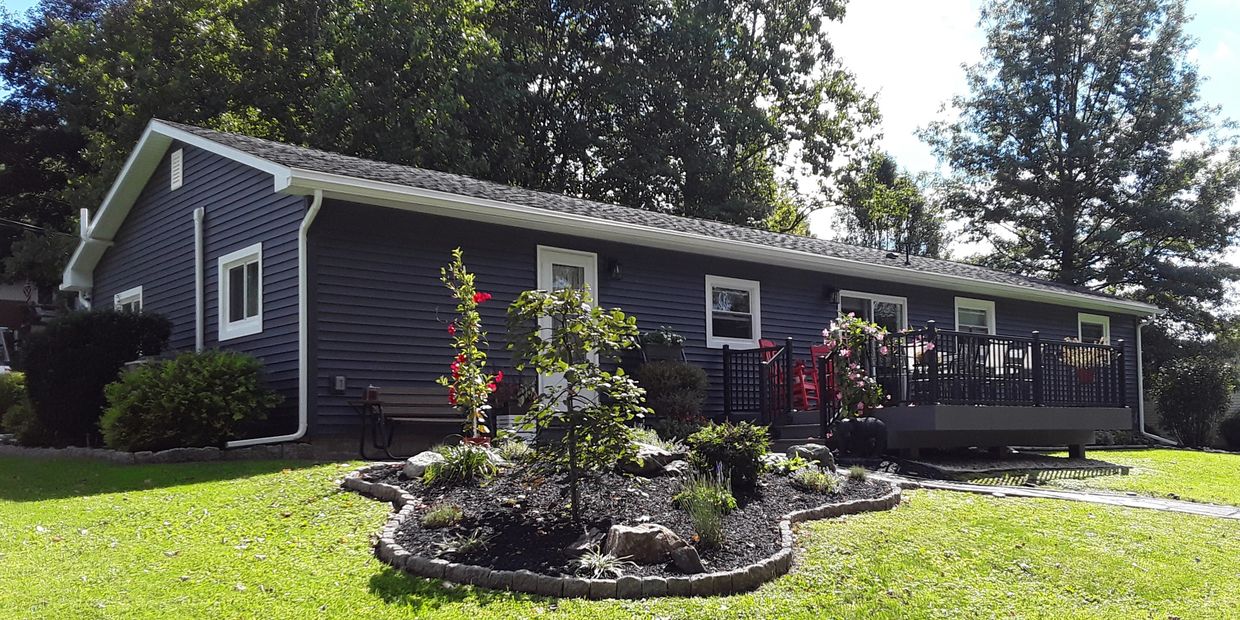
[563, 334]
[469, 385]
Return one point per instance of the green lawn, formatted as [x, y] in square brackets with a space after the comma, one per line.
[1194, 476]
[277, 540]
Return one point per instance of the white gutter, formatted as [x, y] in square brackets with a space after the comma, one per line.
[1141, 395]
[303, 334]
[199, 320]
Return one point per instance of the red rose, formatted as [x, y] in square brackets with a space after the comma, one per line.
[452, 396]
[481, 297]
[451, 329]
[499, 376]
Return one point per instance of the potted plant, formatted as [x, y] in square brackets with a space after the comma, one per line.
[1086, 361]
[663, 345]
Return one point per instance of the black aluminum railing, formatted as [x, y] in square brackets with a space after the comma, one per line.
[756, 381]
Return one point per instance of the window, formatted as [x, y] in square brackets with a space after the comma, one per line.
[733, 312]
[129, 300]
[883, 310]
[1093, 328]
[241, 293]
[177, 173]
[975, 316]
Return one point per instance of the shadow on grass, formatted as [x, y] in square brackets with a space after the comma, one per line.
[426, 595]
[32, 480]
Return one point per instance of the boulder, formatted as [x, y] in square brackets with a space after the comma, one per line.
[416, 465]
[587, 541]
[650, 460]
[677, 468]
[647, 543]
[687, 560]
[814, 452]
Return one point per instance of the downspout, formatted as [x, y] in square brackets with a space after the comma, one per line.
[199, 321]
[1141, 394]
[303, 336]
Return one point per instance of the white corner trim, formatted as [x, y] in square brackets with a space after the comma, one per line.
[755, 310]
[127, 296]
[249, 325]
[303, 334]
[1105, 321]
[975, 304]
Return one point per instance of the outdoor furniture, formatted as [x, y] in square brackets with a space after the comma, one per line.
[383, 409]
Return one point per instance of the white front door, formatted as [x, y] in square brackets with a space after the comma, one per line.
[560, 269]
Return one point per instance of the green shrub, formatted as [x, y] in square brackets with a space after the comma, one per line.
[69, 363]
[710, 488]
[858, 473]
[650, 437]
[23, 424]
[515, 450]
[786, 466]
[1192, 393]
[813, 480]
[674, 390]
[736, 449]
[594, 564]
[12, 390]
[462, 464]
[442, 515]
[1230, 430]
[193, 400]
[464, 543]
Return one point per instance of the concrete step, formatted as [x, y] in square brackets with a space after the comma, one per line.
[780, 446]
[810, 416]
[796, 431]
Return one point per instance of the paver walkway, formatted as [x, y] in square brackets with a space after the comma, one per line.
[1127, 501]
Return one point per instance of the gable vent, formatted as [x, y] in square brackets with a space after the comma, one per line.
[177, 169]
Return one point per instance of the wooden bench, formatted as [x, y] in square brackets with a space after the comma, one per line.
[427, 406]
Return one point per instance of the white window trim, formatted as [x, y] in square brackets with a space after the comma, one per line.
[873, 297]
[176, 169]
[976, 304]
[128, 296]
[1085, 317]
[249, 326]
[755, 309]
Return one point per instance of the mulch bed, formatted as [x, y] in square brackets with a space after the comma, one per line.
[526, 518]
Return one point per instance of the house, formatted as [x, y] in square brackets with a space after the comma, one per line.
[327, 268]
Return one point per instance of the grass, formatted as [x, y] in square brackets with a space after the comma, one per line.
[277, 540]
[1194, 476]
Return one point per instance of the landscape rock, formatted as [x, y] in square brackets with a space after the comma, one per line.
[650, 460]
[814, 452]
[587, 541]
[687, 560]
[416, 465]
[677, 468]
[646, 543]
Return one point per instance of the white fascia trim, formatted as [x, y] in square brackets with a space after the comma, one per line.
[755, 310]
[155, 140]
[303, 334]
[341, 187]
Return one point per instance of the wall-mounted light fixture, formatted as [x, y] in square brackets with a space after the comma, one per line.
[831, 295]
[615, 270]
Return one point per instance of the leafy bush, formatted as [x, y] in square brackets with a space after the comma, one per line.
[515, 450]
[12, 390]
[711, 488]
[1192, 393]
[651, 438]
[594, 564]
[736, 449]
[22, 423]
[857, 473]
[813, 480]
[786, 466]
[69, 363]
[1230, 430]
[462, 464]
[193, 400]
[442, 515]
[674, 390]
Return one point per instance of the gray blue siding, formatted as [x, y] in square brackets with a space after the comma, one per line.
[154, 248]
[379, 311]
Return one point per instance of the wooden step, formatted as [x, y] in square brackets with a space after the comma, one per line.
[809, 416]
[796, 431]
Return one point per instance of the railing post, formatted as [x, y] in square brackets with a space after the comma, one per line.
[787, 408]
[1121, 363]
[932, 364]
[1035, 358]
[727, 383]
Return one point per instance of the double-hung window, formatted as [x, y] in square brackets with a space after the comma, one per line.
[129, 300]
[733, 312]
[1093, 328]
[241, 292]
[975, 316]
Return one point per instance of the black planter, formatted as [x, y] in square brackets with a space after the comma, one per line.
[663, 352]
[860, 437]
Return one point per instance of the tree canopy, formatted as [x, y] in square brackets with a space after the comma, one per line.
[884, 207]
[1084, 154]
[694, 107]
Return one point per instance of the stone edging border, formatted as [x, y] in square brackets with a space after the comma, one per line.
[707, 584]
[281, 451]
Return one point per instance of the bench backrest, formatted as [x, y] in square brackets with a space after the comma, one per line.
[418, 402]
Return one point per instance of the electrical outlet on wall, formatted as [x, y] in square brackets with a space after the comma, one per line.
[339, 384]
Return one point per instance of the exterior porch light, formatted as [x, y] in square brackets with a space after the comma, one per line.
[831, 295]
[615, 270]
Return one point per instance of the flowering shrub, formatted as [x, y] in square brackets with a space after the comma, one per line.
[851, 339]
[469, 384]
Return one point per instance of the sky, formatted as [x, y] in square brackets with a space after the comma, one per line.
[911, 53]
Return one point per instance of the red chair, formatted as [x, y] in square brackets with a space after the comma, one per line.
[806, 391]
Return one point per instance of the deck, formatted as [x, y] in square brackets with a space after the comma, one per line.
[947, 389]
